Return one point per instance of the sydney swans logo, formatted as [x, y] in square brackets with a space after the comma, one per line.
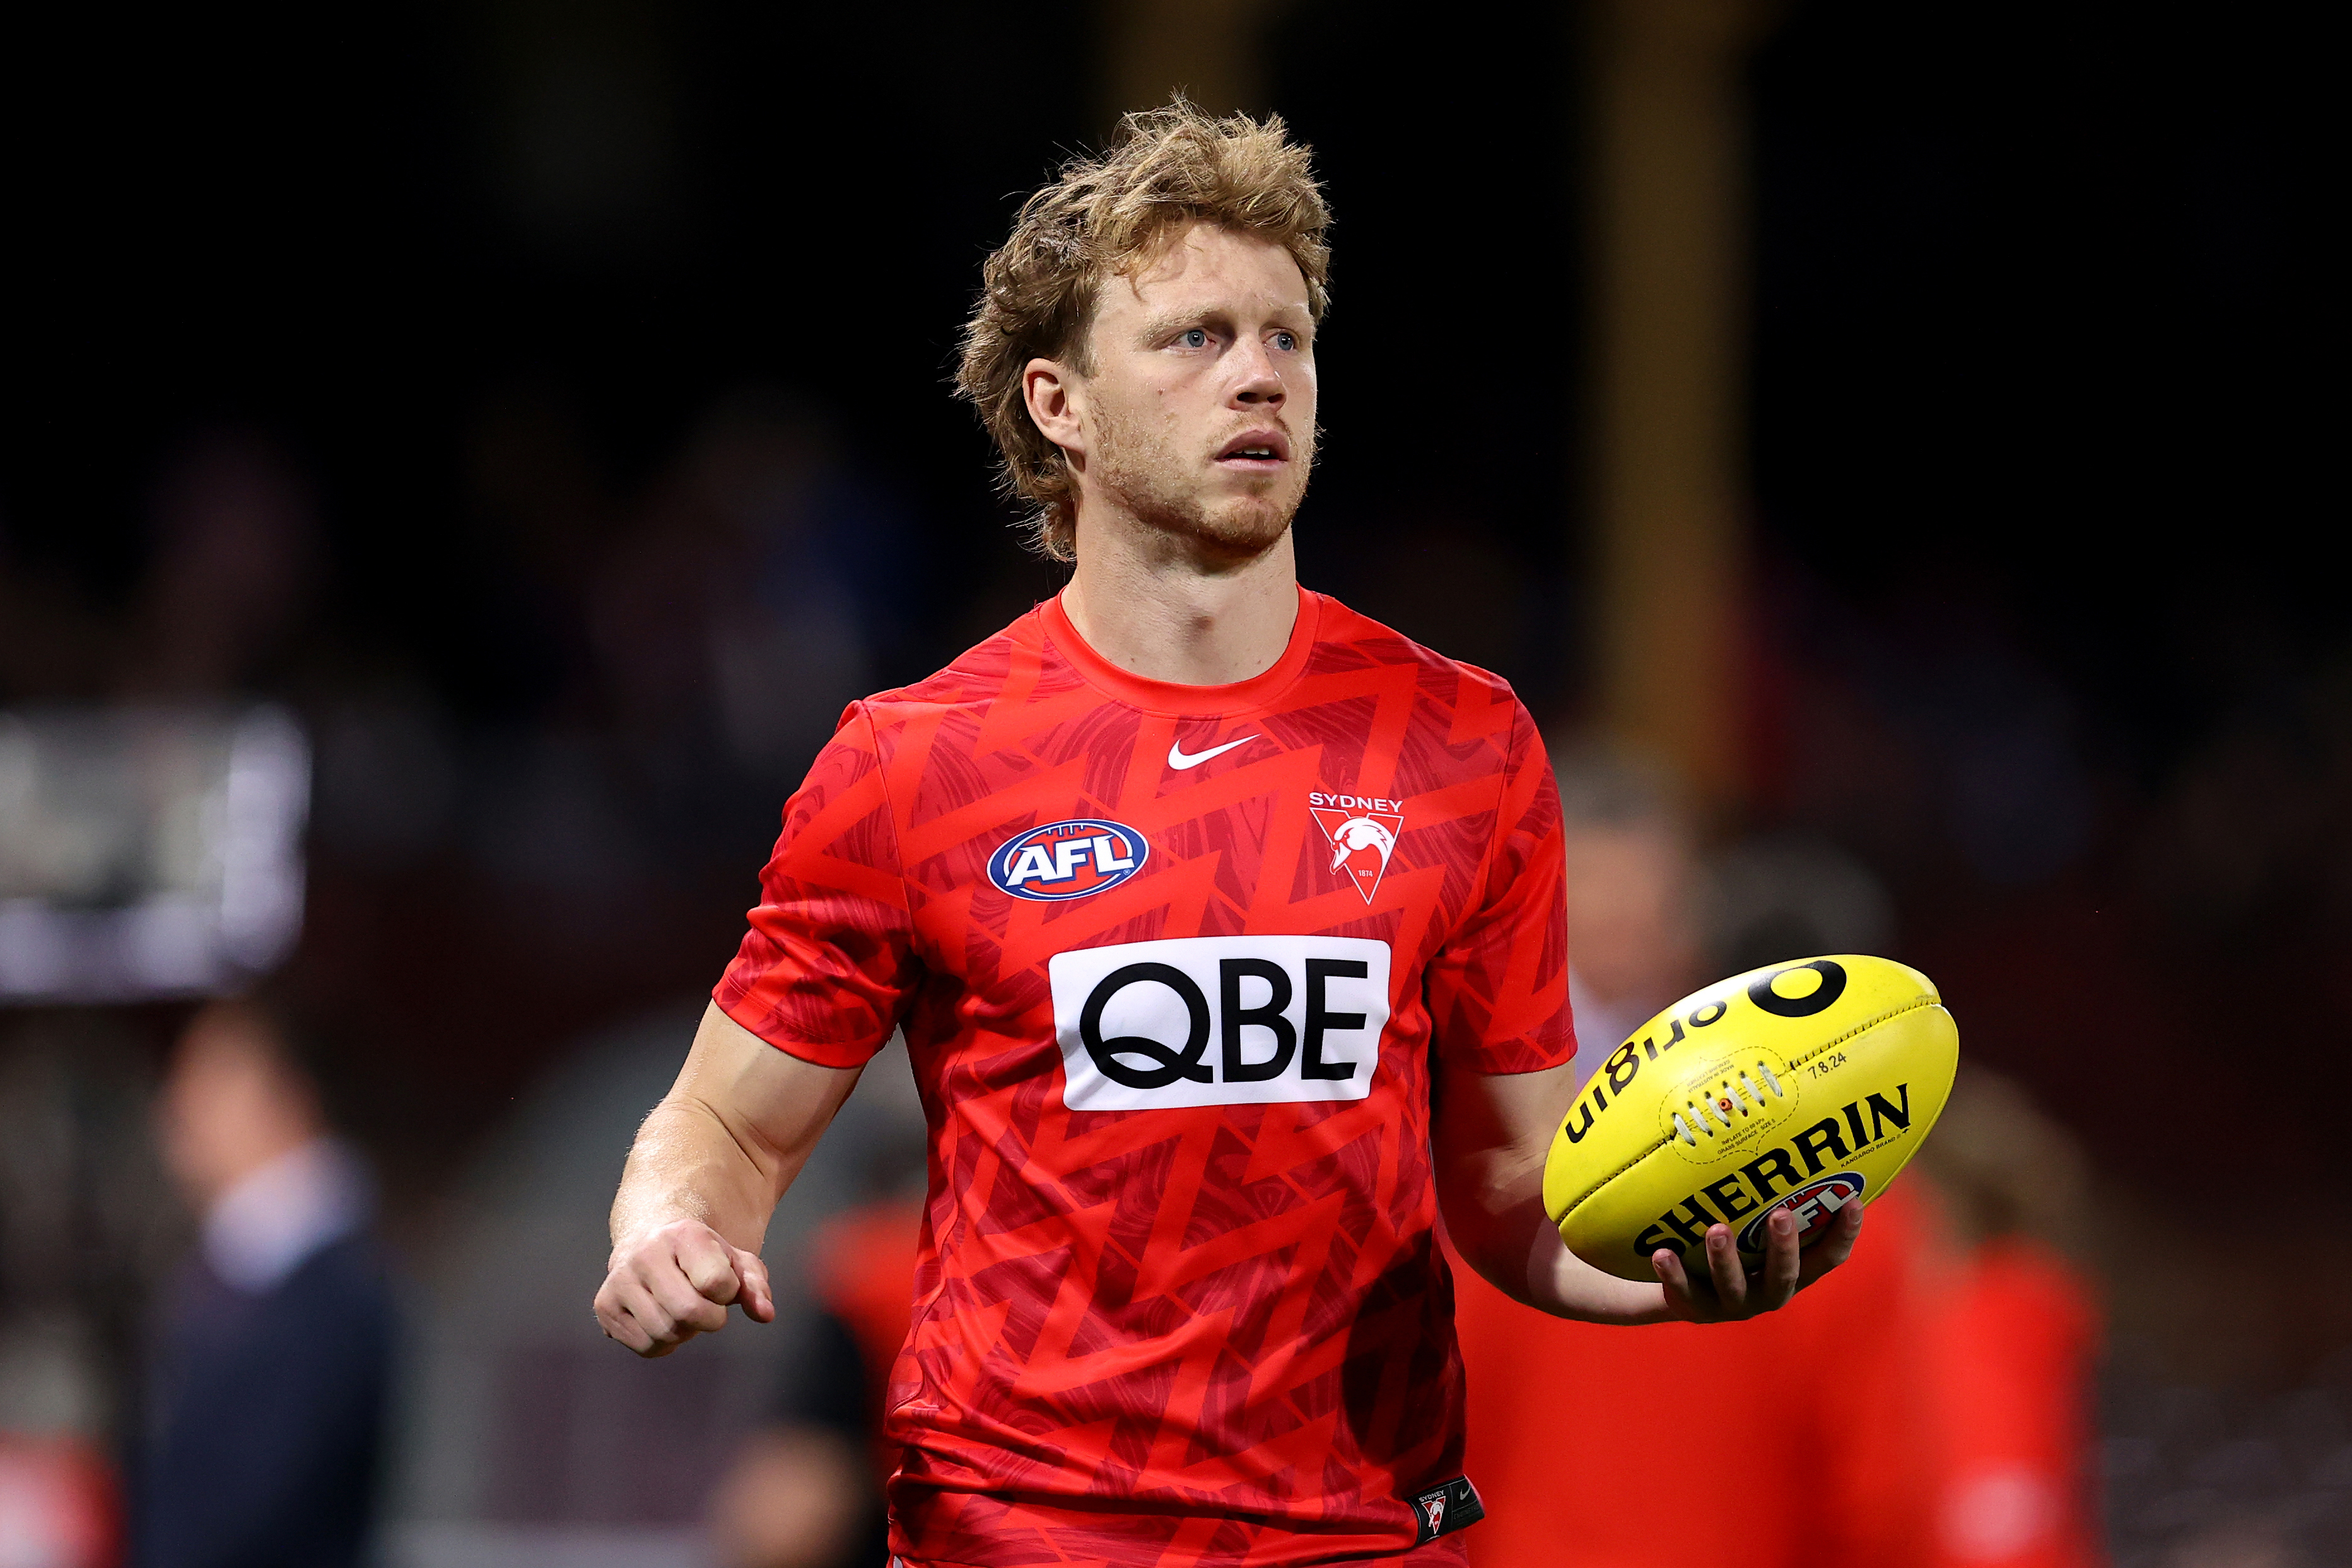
[1362, 832]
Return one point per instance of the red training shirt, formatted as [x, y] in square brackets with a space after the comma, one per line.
[1172, 963]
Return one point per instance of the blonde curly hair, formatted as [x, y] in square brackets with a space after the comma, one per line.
[1102, 217]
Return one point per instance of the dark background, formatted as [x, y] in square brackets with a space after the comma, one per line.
[2044, 632]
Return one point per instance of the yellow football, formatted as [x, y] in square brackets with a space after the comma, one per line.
[1800, 1086]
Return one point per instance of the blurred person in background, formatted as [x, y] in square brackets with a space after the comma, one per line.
[1583, 1441]
[1633, 912]
[2009, 1333]
[808, 1489]
[267, 1388]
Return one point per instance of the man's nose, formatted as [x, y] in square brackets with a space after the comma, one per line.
[1258, 379]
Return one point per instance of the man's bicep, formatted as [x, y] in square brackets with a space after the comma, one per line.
[1505, 1119]
[772, 1102]
[1493, 1130]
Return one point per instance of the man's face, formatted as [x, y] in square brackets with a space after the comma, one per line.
[1633, 928]
[1198, 415]
[229, 1107]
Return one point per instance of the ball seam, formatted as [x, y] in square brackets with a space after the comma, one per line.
[1865, 1027]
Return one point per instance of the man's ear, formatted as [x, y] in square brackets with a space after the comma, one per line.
[1054, 396]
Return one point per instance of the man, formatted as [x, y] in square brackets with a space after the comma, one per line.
[1225, 928]
[271, 1382]
[1632, 897]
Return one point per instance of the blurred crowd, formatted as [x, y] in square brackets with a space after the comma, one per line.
[312, 1265]
[539, 819]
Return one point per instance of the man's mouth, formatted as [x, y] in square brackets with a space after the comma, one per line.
[1255, 449]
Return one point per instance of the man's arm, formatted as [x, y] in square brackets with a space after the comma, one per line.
[705, 1174]
[1493, 1132]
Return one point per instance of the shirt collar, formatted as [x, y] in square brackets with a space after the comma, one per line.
[265, 1226]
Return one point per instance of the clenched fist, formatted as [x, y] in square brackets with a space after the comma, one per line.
[676, 1281]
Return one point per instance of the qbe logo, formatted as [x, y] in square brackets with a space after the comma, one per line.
[1814, 1204]
[1219, 1020]
[1067, 859]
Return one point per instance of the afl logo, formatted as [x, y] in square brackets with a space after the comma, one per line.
[1067, 859]
[1813, 1205]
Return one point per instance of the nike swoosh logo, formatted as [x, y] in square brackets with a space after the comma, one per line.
[1179, 759]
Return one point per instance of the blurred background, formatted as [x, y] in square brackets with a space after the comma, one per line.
[456, 462]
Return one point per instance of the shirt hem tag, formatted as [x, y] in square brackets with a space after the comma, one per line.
[1446, 1507]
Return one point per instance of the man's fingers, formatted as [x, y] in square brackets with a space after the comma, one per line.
[1668, 1265]
[661, 1313]
[618, 1324]
[707, 1264]
[757, 1296]
[687, 1307]
[659, 1295]
[674, 1283]
[632, 1317]
[1726, 1293]
[1834, 1248]
[1723, 1266]
[1782, 1261]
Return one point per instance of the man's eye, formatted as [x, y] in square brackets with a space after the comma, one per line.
[1195, 339]
[1286, 341]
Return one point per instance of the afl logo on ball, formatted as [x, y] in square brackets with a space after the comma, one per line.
[1067, 859]
[1813, 1205]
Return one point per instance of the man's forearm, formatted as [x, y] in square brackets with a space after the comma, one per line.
[685, 1164]
[729, 1138]
[1512, 1244]
[1493, 1134]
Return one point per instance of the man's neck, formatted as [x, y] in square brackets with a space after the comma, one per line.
[1158, 609]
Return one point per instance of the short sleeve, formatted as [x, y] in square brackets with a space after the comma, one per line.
[1498, 990]
[828, 963]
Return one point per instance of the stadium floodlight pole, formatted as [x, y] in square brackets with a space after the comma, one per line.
[1669, 222]
[1212, 51]
[1225, 926]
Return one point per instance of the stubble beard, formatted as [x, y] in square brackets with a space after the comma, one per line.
[1148, 479]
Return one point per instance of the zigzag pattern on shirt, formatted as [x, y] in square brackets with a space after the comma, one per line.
[1210, 1335]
